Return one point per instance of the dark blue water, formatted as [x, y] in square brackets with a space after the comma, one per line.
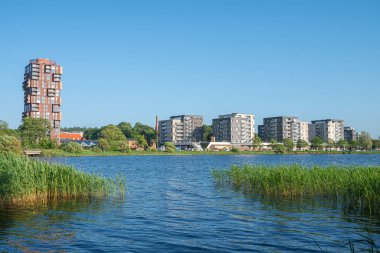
[173, 206]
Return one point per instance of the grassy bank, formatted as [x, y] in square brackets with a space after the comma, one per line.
[25, 182]
[355, 188]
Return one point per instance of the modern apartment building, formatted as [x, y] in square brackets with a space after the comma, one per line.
[350, 134]
[281, 127]
[180, 129]
[299, 130]
[42, 92]
[327, 130]
[236, 128]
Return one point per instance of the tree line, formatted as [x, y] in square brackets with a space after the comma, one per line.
[36, 133]
[364, 142]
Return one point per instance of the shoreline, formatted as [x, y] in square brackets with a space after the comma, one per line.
[60, 153]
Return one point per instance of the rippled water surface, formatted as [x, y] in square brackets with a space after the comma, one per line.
[173, 206]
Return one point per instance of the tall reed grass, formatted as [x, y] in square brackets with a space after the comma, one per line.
[354, 187]
[25, 182]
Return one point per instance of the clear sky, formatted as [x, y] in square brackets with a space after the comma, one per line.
[128, 61]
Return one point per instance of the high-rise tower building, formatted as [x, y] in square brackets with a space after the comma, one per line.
[42, 92]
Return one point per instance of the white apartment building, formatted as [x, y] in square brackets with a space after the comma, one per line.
[327, 130]
[299, 130]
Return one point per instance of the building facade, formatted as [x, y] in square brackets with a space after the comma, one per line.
[327, 129]
[299, 130]
[281, 127]
[350, 134]
[236, 128]
[180, 129]
[42, 92]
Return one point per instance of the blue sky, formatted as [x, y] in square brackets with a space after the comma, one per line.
[128, 61]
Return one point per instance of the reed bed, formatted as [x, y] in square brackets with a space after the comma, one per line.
[25, 182]
[354, 187]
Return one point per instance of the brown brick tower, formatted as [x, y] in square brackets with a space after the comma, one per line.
[42, 92]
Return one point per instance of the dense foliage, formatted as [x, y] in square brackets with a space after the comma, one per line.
[72, 147]
[111, 138]
[35, 132]
[10, 144]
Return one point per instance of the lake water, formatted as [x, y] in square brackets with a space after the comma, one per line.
[172, 205]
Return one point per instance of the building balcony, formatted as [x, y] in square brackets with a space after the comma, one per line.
[56, 108]
[56, 77]
[57, 116]
[51, 92]
[35, 108]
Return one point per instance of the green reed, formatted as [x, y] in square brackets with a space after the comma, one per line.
[355, 187]
[24, 182]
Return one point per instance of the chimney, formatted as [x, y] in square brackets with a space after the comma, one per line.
[212, 138]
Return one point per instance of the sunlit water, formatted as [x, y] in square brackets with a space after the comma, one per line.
[172, 205]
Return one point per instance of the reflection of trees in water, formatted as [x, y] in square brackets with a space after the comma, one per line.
[51, 225]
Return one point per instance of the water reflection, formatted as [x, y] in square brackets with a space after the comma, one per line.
[49, 227]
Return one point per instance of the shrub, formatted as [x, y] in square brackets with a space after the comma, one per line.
[10, 144]
[72, 147]
[104, 145]
[170, 147]
[235, 150]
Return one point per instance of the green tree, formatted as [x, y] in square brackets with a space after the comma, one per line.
[365, 141]
[112, 139]
[5, 130]
[234, 150]
[301, 144]
[127, 129]
[148, 132]
[170, 147]
[10, 144]
[112, 133]
[141, 141]
[91, 133]
[330, 144]
[288, 144]
[206, 133]
[103, 144]
[34, 131]
[279, 148]
[120, 146]
[3, 125]
[354, 145]
[342, 144]
[10, 132]
[72, 147]
[73, 129]
[375, 144]
[257, 142]
[316, 143]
